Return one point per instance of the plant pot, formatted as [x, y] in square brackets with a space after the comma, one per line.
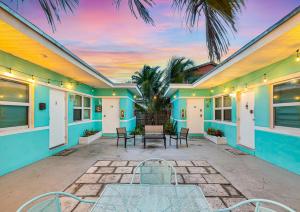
[215, 139]
[89, 139]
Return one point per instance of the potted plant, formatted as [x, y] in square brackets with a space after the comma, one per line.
[89, 136]
[216, 136]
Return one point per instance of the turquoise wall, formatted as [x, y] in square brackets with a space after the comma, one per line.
[20, 149]
[279, 149]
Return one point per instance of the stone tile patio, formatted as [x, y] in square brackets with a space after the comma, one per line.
[218, 190]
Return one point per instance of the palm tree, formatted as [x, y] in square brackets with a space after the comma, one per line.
[148, 79]
[178, 70]
[220, 17]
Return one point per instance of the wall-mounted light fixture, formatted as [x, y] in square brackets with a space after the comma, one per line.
[113, 93]
[9, 73]
[32, 80]
[297, 55]
[265, 78]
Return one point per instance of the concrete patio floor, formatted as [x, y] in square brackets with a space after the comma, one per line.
[253, 177]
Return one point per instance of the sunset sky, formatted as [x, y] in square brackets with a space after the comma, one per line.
[117, 44]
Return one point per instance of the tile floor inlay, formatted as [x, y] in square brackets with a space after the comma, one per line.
[218, 190]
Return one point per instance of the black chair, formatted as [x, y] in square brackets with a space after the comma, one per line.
[122, 133]
[184, 132]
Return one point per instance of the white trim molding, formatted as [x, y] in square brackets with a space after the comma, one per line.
[128, 120]
[221, 122]
[83, 122]
[280, 130]
[190, 97]
[114, 97]
[22, 130]
[179, 120]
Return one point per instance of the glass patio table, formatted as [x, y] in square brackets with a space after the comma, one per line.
[137, 197]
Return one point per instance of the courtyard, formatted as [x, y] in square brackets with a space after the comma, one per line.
[225, 177]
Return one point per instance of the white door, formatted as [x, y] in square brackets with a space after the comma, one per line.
[246, 133]
[195, 115]
[110, 115]
[57, 114]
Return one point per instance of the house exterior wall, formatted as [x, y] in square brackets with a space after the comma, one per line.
[276, 146]
[23, 147]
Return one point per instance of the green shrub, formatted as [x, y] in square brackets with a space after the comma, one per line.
[88, 133]
[215, 132]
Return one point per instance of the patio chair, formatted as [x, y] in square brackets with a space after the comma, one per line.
[122, 133]
[51, 202]
[184, 132]
[155, 171]
[258, 206]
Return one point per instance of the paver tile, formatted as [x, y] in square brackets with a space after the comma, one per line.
[106, 170]
[215, 178]
[126, 178]
[232, 201]
[179, 179]
[215, 203]
[133, 163]
[68, 204]
[172, 162]
[211, 170]
[193, 178]
[231, 190]
[213, 190]
[200, 163]
[102, 163]
[181, 170]
[84, 207]
[91, 170]
[110, 178]
[119, 163]
[89, 178]
[72, 188]
[184, 163]
[197, 170]
[124, 170]
[89, 190]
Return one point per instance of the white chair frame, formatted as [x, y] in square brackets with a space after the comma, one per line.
[257, 203]
[154, 159]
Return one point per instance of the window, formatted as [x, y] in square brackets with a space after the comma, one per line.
[222, 108]
[14, 104]
[82, 108]
[286, 104]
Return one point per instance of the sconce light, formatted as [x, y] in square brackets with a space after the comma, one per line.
[193, 94]
[174, 96]
[113, 93]
[9, 73]
[265, 78]
[32, 80]
[297, 55]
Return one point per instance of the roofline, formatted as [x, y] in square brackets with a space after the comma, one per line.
[250, 43]
[204, 64]
[53, 41]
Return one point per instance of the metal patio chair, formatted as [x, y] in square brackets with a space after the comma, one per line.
[183, 135]
[122, 133]
[155, 171]
[49, 202]
[258, 206]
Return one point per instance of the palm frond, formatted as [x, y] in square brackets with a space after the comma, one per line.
[220, 18]
[53, 8]
[139, 6]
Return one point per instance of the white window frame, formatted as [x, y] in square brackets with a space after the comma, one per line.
[222, 108]
[82, 107]
[28, 104]
[273, 105]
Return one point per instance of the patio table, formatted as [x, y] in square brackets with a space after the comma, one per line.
[137, 197]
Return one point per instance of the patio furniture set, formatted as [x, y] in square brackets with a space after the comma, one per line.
[154, 193]
[153, 132]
